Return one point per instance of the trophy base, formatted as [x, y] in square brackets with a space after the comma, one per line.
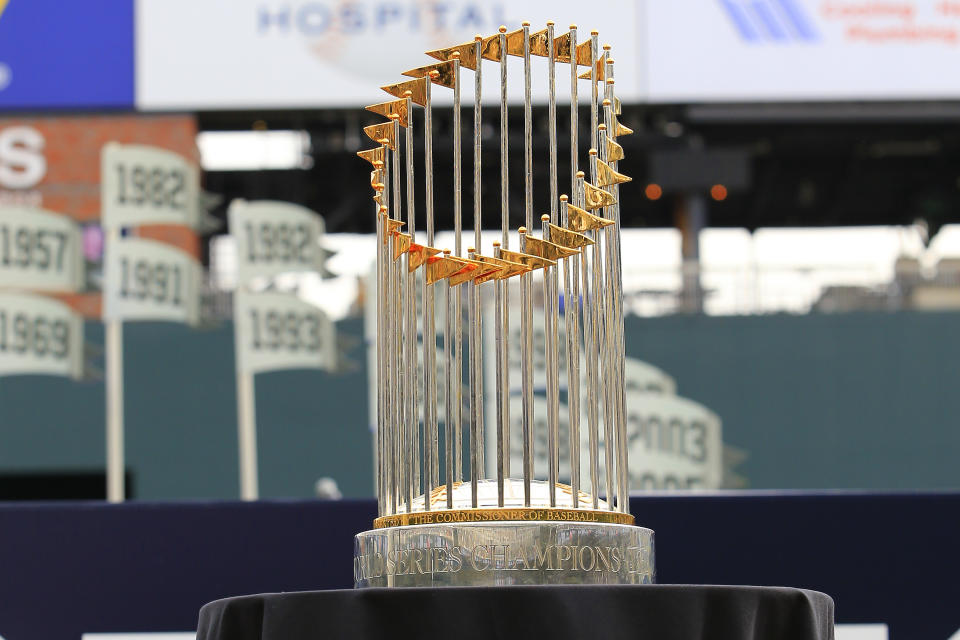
[503, 553]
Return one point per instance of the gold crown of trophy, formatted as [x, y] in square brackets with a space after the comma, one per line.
[441, 520]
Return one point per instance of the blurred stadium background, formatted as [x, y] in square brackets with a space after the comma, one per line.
[792, 243]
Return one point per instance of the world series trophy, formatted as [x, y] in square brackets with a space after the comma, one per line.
[441, 519]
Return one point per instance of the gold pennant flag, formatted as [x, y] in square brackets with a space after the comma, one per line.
[614, 151]
[507, 269]
[416, 87]
[490, 48]
[528, 260]
[378, 198]
[376, 178]
[467, 51]
[595, 197]
[568, 238]
[515, 43]
[440, 267]
[616, 106]
[470, 270]
[601, 75]
[606, 176]
[382, 133]
[444, 77]
[561, 47]
[398, 107]
[548, 250]
[584, 54]
[538, 44]
[580, 220]
[394, 225]
[621, 130]
[419, 254]
[372, 155]
[401, 243]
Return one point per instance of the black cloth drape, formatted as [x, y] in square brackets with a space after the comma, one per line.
[660, 612]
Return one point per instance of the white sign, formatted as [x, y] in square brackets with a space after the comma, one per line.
[674, 443]
[314, 53]
[640, 376]
[148, 280]
[145, 185]
[39, 335]
[280, 331]
[39, 250]
[747, 50]
[274, 238]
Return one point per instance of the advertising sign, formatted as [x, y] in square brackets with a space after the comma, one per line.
[39, 335]
[747, 50]
[147, 280]
[56, 54]
[280, 331]
[275, 237]
[321, 53]
[145, 185]
[39, 250]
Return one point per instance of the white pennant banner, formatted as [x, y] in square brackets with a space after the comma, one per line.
[39, 250]
[39, 335]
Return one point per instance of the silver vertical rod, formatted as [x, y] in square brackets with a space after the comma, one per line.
[552, 117]
[397, 452]
[573, 302]
[610, 367]
[574, 116]
[381, 328]
[570, 273]
[601, 322]
[457, 379]
[389, 390]
[594, 51]
[553, 382]
[450, 394]
[411, 421]
[431, 470]
[476, 402]
[619, 350]
[382, 405]
[526, 372]
[590, 353]
[503, 390]
[550, 352]
[476, 361]
[503, 286]
[384, 286]
[395, 328]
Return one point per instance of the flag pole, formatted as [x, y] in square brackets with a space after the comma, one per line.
[456, 380]
[246, 421]
[476, 364]
[113, 379]
[502, 330]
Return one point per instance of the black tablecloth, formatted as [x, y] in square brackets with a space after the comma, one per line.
[661, 612]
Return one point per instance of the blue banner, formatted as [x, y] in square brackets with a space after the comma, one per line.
[66, 55]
